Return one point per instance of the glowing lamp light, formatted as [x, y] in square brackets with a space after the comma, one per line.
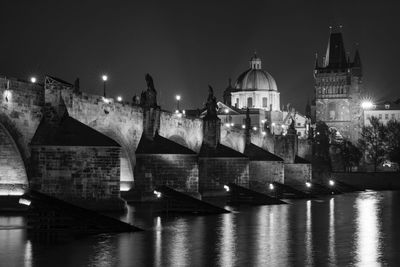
[273, 124]
[24, 201]
[367, 104]
[226, 111]
[331, 182]
[104, 78]
[178, 97]
[308, 184]
[157, 193]
[243, 126]
[262, 121]
[183, 111]
[271, 187]
[33, 80]
[226, 188]
[227, 124]
[119, 98]
[255, 128]
[263, 133]
[232, 124]
[176, 111]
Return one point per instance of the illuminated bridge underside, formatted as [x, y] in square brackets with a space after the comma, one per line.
[13, 178]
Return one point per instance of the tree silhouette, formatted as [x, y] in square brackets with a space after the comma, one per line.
[373, 142]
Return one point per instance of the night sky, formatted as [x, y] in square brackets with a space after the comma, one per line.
[186, 45]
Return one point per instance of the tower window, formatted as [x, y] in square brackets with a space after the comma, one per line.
[249, 102]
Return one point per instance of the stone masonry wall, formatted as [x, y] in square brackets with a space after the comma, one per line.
[121, 122]
[261, 173]
[297, 174]
[69, 173]
[185, 131]
[214, 173]
[179, 172]
[21, 111]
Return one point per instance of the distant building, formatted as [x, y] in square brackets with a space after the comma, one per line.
[385, 112]
[338, 89]
[256, 90]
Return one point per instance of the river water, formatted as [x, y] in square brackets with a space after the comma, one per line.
[357, 229]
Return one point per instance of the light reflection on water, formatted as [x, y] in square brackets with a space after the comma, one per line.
[346, 230]
[368, 230]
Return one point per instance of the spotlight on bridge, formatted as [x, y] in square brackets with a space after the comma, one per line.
[271, 187]
[33, 80]
[331, 182]
[226, 188]
[157, 193]
[24, 201]
[367, 104]
[308, 184]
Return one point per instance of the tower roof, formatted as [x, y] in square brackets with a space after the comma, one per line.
[335, 57]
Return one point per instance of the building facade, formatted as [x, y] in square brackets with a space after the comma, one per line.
[255, 89]
[385, 112]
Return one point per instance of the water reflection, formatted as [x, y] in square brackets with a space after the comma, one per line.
[368, 230]
[179, 244]
[344, 230]
[331, 237]
[309, 241]
[227, 240]
[28, 254]
[158, 242]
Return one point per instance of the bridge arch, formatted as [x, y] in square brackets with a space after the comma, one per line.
[13, 175]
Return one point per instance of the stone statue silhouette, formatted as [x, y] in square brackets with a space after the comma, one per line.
[211, 104]
[148, 98]
[150, 83]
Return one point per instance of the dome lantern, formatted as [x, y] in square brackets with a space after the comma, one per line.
[255, 62]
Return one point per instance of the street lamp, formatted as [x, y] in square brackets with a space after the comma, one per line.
[178, 98]
[119, 98]
[33, 80]
[367, 104]
[104, 78]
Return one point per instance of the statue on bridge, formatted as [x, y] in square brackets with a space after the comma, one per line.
[148, 98]
[211, 104]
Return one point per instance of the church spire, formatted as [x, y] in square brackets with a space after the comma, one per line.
[357, 67]
[316, 61]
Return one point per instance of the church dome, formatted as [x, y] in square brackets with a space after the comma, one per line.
[255, 78]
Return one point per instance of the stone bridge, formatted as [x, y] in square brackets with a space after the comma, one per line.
[21, 107]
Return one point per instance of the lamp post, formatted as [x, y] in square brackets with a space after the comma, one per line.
[33, 79]
[178, 98]
[104, 78]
